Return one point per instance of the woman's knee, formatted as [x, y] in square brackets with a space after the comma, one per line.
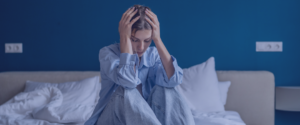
[164, 94]
[128, 93]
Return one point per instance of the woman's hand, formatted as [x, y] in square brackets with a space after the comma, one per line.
[155, 25]
[125, 30]
[125, 24]
[165, 56]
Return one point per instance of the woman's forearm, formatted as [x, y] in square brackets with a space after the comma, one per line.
[165, 57]
[125, 45]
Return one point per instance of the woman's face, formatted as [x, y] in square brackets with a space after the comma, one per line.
[140, 41]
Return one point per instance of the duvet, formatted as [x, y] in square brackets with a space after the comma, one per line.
[218, 118]
[38, 107]
[44, 107]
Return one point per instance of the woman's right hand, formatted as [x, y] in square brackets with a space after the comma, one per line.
[125, 30]
[125, 24]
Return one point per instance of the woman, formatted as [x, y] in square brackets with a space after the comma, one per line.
[132, 72]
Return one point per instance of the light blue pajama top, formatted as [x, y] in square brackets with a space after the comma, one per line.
[117, 69]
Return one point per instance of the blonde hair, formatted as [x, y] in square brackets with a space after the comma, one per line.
[141, 23]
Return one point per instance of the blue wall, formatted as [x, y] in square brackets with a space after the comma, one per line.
[67, 35]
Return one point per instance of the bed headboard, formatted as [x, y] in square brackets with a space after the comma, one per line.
[251, 93]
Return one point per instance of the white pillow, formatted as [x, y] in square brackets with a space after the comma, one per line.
[79, 99]
[223, 87]
[200, 87]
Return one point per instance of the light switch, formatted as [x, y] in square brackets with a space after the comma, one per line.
[268, 46]
[13, 48]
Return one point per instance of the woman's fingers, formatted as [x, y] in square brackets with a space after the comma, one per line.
[150, 12]
[125, 13]
[152, 16]
[151, 23]
[134, 20]
[130, 15]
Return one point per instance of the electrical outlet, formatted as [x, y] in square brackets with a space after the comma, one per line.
[268, 46]
[13, 48]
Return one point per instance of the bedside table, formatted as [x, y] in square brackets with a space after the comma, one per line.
[287, 98]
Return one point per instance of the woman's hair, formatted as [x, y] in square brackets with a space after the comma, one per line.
[141, 23]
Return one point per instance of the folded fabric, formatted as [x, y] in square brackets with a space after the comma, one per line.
[77, 105]
[223, 87]
[218, 118]
[19, 109]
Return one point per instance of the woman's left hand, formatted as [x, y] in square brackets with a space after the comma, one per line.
[155, 25]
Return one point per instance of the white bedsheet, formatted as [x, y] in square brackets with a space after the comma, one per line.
[218, 118]
[21, 109]
[25, 109]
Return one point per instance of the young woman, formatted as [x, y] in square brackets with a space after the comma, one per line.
[137, 80]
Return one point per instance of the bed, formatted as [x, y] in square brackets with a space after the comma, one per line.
[251, 93]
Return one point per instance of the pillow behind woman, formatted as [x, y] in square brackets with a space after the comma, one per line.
[200, 87]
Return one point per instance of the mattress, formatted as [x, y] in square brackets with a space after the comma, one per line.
[218, 118]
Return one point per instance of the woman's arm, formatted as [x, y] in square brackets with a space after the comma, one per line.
[165, 56]
[166, 71]
[125, 30]
[125, 46]
[119, 69]
[157, 73]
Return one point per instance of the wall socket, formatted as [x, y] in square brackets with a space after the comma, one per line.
[13, 48]
[268, 46]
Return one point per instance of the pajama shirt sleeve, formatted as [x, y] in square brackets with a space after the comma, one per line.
[119, 69]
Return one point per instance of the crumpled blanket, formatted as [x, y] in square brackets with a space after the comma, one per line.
[218, 118]
[26, 107]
